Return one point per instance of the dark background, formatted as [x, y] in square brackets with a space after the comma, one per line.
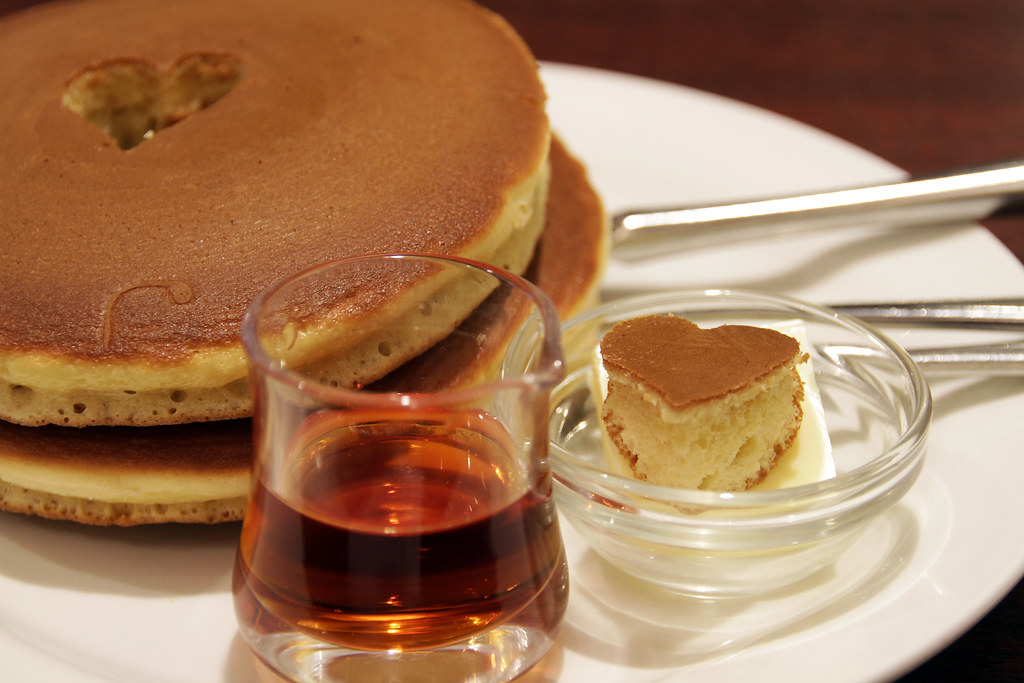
[929, 85]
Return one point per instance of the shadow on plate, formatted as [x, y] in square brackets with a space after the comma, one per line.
[816, 265]
[952, 395]
[164, 560]
[620, 620]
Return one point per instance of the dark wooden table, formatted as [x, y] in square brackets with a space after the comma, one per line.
[926, 84]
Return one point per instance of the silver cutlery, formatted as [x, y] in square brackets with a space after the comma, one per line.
[988, 359]
[959, 196]
[1005, 314]
[1006, 358]
[956, 197]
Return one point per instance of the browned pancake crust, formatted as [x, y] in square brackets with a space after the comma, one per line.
[571, 255]
[353, 127]
[101, 513]
[215, 450]
[357, 127]
[567, 266]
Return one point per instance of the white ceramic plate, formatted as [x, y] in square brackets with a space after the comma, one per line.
[82, 605]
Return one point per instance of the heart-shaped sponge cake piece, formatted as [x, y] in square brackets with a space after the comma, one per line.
[700, 408]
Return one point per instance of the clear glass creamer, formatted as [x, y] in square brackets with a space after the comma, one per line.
[402, 528]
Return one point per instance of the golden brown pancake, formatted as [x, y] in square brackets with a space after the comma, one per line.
[166, 161]
[566, 266]
[200, 472]
[196, 473]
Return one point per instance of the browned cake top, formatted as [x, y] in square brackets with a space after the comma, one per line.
[685, 364]
[219, 450]
[226, 445]
[567, 266]
[570, 257]
[353, 127]
[198, 449]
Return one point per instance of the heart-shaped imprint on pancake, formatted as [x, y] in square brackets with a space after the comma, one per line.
[684, 363]
[131, 100]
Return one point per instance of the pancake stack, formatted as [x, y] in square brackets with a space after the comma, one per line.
[165, 162]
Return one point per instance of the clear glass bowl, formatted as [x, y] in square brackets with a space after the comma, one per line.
[877, 409]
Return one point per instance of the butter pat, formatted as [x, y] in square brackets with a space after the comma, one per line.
[809, 458]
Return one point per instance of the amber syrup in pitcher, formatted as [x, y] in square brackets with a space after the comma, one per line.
[401, 534]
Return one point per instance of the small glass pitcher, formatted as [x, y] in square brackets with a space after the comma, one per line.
[401, 524]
